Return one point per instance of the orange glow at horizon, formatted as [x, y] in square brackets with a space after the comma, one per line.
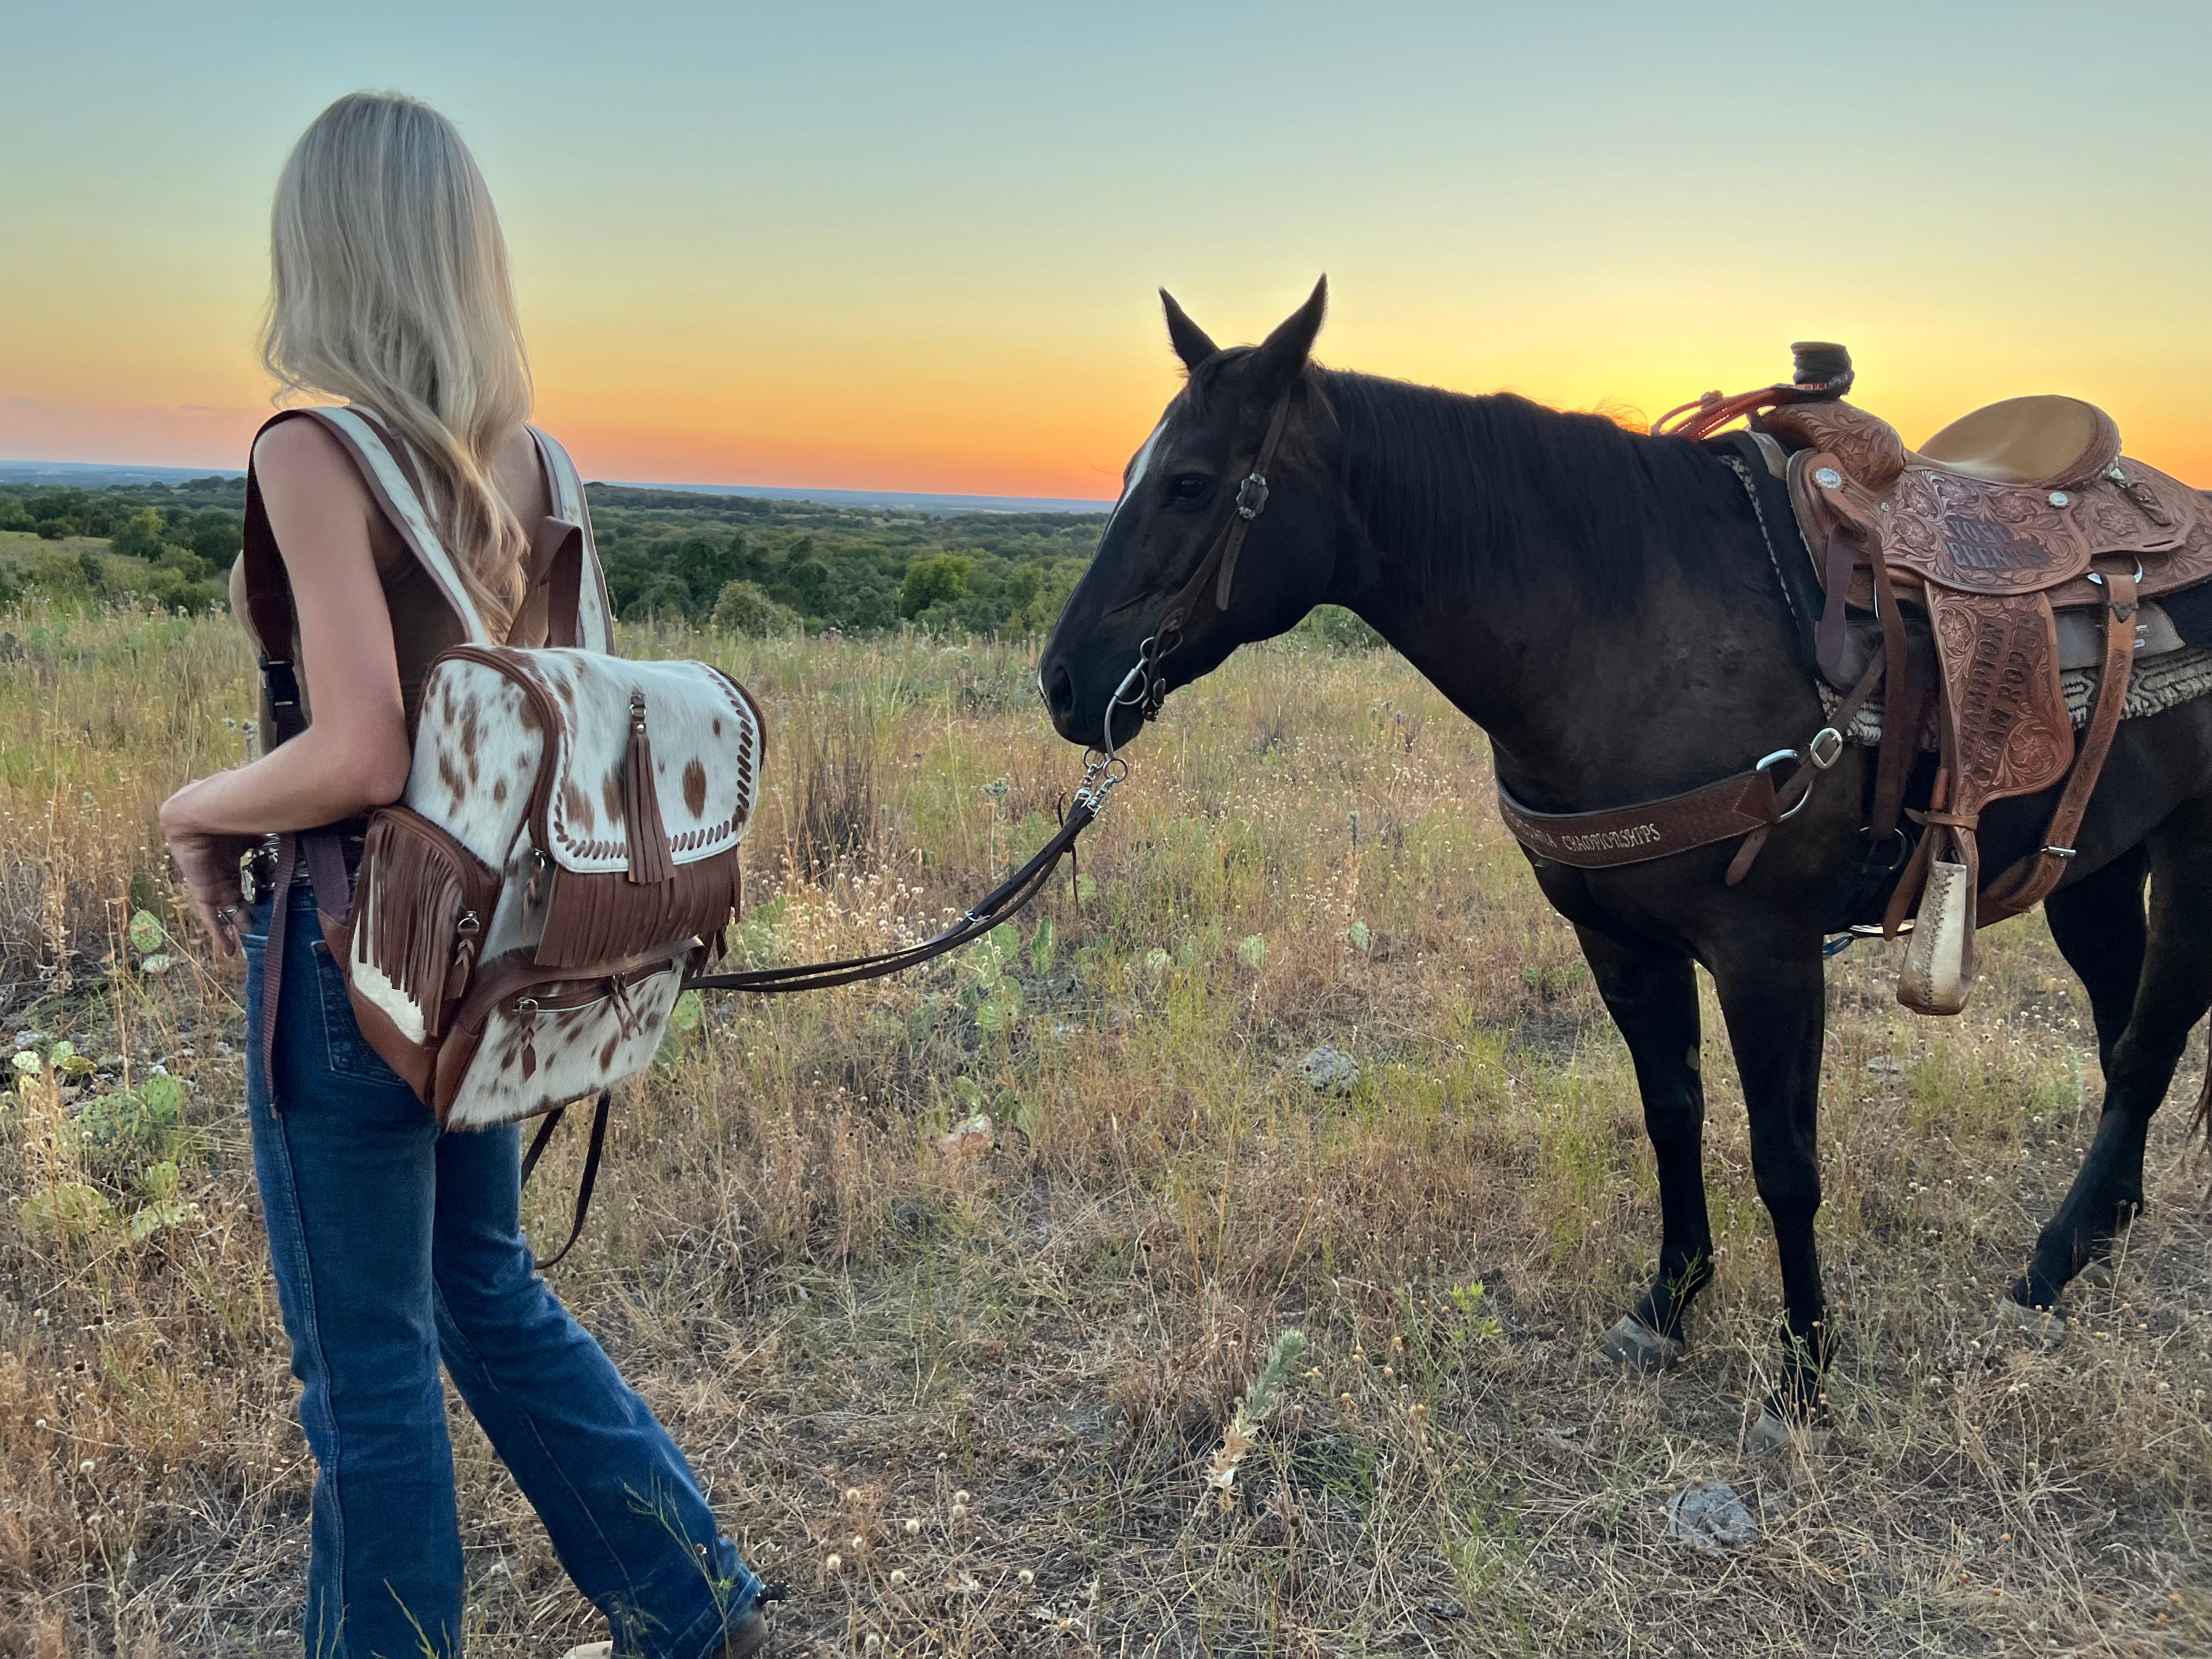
[761, 246]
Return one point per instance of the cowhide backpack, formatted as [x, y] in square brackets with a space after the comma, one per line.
[565, 850]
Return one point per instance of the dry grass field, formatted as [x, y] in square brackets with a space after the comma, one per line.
[963, 1392]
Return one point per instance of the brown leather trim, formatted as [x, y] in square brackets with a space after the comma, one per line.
[1655, 830]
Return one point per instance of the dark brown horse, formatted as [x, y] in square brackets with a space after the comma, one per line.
[1609, 609]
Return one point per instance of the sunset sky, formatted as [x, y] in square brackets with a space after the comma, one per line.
[916, 248]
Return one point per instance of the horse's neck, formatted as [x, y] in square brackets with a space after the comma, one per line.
[1586, 704]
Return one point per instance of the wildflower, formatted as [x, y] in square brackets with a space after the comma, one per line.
[912, 1527]
[835, 1563]
[1027, 1577]
[960, 1498]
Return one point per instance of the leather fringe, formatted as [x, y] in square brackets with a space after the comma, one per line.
[592, 919]
[649, 862]
[409, 896]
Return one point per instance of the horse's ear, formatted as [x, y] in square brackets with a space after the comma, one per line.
[1189, 340]
[1283, 353]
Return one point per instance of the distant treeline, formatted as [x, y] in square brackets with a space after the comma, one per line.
[764, 565]
[779, 564]
[167, 545]
[739, 562]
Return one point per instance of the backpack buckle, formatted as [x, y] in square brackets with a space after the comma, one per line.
[280, 682]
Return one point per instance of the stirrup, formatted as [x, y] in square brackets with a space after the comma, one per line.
[1939, 957]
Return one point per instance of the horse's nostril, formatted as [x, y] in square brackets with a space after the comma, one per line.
[1059, 690]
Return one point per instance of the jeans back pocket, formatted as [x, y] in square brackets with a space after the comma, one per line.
[346, 1051]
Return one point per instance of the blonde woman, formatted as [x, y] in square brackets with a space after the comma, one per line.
[395, 1247]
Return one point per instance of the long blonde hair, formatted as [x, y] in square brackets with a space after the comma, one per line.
[390, 290]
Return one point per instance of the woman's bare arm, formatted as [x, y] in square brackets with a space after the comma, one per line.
[354, 756]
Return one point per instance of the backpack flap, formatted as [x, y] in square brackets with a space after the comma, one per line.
[638, 816]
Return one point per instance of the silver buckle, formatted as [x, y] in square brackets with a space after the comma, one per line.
[1826, 747]
[1252, 495]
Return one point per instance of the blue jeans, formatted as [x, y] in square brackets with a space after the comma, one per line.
[396, 1247]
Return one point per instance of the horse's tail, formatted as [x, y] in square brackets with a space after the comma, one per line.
[2201, 1124]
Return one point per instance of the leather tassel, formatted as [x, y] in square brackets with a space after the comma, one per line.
[591, 919]
[649, 863]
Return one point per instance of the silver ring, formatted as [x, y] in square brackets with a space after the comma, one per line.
[1776, 759]
[227, 913]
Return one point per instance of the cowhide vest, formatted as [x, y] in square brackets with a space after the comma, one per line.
[567, 846]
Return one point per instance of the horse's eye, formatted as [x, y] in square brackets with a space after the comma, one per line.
[1190, 486]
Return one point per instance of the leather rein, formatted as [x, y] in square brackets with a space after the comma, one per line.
[1008, 898]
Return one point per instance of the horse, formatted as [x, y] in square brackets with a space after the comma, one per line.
[1608, 607]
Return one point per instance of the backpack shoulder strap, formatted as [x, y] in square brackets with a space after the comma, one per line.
[594, 615]
[384, 461]
[269, 590]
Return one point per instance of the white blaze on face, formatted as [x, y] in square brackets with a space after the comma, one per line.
[1137, 468]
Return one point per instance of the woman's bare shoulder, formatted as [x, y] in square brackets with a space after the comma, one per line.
[305, 453]
[519, 477]
[318, 506]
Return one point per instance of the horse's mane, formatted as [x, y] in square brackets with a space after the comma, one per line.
[1455, 480]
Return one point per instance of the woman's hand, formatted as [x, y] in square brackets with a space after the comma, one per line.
[208, 861]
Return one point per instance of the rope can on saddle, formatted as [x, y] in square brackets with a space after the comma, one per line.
[1943, 572]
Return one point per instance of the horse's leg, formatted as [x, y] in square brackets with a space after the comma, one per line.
[1652, 996]
[1770, 996]
[2175, 991]
[2099, 929]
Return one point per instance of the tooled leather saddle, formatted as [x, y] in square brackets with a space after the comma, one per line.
[2002, 521]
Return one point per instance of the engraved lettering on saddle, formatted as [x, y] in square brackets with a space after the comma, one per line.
[1985, 544]
[1991, 527]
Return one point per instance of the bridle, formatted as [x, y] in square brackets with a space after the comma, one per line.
[1143, 688]
[1102, 769]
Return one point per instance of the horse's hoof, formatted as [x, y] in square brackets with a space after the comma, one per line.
[1632, 1343]
[1774, 1434]
[2042, 1327]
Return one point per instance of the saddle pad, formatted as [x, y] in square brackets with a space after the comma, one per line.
[2158, 683]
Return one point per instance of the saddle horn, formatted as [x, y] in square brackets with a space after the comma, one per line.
[1820, 367]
